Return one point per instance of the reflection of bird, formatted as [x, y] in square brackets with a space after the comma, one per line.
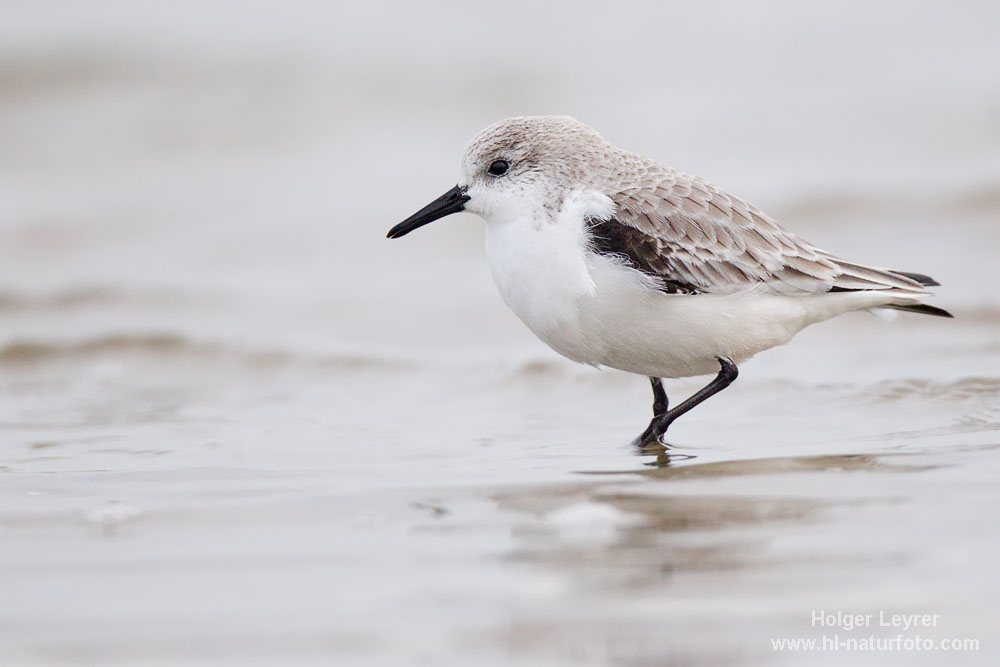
[614, 260]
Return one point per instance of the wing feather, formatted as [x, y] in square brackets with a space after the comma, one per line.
[696, 237]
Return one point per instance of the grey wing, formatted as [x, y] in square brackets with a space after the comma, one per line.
[696, 238]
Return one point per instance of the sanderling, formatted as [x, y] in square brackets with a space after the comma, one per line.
[613, 259]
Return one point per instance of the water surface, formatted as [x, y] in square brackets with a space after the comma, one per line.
[237, 426]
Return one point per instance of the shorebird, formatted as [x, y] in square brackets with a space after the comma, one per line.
[613, 259]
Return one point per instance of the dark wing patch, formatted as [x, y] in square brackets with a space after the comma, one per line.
[640, 251]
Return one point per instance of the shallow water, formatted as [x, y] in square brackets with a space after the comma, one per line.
[237, 426]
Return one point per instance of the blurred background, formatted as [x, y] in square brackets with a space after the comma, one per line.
[238, 425]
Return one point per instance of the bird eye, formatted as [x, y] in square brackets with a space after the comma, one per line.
[499, 167]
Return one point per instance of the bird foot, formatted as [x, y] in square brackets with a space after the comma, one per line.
[649, 444]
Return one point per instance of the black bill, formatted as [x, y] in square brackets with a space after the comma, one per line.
[450, 202]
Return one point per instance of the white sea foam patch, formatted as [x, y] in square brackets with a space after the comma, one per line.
[589, 521]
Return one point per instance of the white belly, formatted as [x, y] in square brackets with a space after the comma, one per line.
[593, 310]
[643, 330]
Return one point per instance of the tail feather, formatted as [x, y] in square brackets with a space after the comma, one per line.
[905, 286]
[920, 308]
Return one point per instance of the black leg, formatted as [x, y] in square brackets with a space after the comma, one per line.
[660, 402]
[660, 423]
[661, 406]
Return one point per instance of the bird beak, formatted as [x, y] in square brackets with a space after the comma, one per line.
[450, 202]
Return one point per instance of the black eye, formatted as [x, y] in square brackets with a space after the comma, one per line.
[499, 167]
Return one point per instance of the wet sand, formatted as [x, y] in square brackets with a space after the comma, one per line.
[237, 426]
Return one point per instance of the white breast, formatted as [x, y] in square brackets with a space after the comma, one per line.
[542, 275]
[540, 266]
